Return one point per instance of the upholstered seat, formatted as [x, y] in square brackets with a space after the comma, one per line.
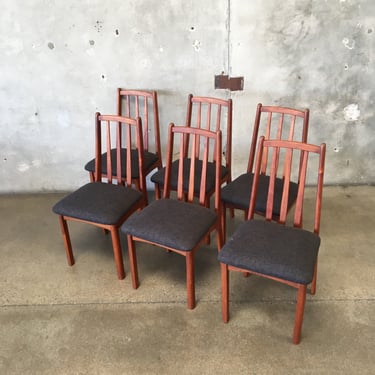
[180, 223]
[272, 249]
[162, 220]
[277, 250]
[272, 122]
[238, 193]
[211, 114]
[158, 177]
[149, 159]
[98, 202]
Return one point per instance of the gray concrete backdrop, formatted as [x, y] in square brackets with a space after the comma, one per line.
[62, 60]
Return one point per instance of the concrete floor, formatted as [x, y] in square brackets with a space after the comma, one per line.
[57, 319]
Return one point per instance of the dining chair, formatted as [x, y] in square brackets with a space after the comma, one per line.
[180, 222]
[281, 251]
[273, 122]
[108, 201]
[132, 104]
[211, 114]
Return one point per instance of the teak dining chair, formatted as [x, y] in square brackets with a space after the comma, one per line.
[211, 114]
[273, 122]
[105, 204]
[132, 104]
[274, 250]
[180, 225]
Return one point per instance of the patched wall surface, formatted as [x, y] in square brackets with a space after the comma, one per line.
[62, 61]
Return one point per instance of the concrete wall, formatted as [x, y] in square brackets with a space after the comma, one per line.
[62, 60]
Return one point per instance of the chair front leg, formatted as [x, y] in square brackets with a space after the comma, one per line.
[190, 283]
[224, 292]
[300, 308]
[66, 238]
[133, 262]
[117, 252]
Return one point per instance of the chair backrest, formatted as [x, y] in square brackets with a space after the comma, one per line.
[275, 122]
[143, 104]
[212, 114]
[204, 149]
[281, 153]
[114, 133]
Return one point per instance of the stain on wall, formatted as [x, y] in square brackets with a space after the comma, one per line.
[310, 53]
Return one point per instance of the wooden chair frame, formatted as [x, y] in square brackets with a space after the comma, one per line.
[290, 146]
[186, 196]
[126, 181]
[268, 133]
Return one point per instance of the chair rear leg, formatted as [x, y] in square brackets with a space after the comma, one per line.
[92, 176]
[223, 212]
[313, 283]
[67, 243]
[224, 292]
[300, 308]
[190, 284]
[133, 262]
[117, 253]
[157, 191]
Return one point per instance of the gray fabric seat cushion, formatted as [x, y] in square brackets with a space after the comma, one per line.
[98, 202]
[171, 223]
[238, 192]
[149, 159]
[273, 249]
[158, 177]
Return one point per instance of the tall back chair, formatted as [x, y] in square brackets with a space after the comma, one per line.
[132, 104]
[274, 250]
[272, 122]
[102, 202]
[212, 114]
[180, 225]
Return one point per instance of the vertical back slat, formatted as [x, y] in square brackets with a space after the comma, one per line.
[298, 212]
[128, 156]
[203, 182]
[145, 124]
[118, 153]
[98, 148]
[193, 156]
[109, 154]
[267, 136]
[280, 126]
[180, 181]
[272, 181]
[292, 128]
[286, 184]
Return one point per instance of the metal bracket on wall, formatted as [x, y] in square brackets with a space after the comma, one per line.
[230, 83]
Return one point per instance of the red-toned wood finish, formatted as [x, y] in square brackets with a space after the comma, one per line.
[113, 131]
[282, 162]
[211, 114]
[204, 145]
[272, 122]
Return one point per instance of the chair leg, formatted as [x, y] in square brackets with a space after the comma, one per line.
[67, 243]
[92, 176]
[157, 192]
[223, 212]
[190, 284]
[300, 308]
[231, 211]
[117, 253]
[133, 262]
[224, 292]
[313, 283]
